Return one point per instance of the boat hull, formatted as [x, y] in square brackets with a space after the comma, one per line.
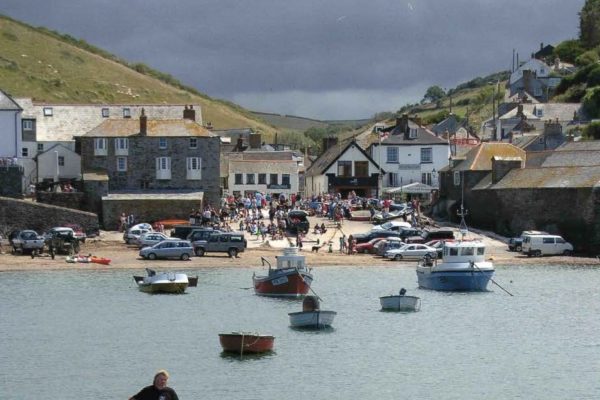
[286, 283]
[400, 303]
[455, 281]
[240, 342]
[312, 319]
[170, 287]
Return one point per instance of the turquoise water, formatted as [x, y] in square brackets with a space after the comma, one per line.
[74, 335]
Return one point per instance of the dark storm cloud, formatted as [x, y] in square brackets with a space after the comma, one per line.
[305, 56]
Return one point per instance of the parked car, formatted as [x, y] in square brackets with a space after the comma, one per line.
[201, 234]
[133, 234]
[516, 243]
[183, 231]
[409, 232]
[438, 244]
[26, 241]
[231, 243]
[390, 243]
[411, 251]
[376, 233]
[297, 221]
[542, 245]
[181, 249]
[393, 226]
[61, 240]
[368, 247]
[151, 238]
[429, 235]
[78, 232]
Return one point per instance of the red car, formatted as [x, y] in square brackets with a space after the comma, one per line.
[78, 231]
[368, 247]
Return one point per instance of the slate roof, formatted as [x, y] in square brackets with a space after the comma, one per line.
[582, 145]
[450, 124]
[7, 103]
[573, 158]
[480, 157]
[550, 178]
[562, 111]
[424, 137]
[265, 156]
[155, 128]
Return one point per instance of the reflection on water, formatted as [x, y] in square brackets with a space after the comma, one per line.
[103, 339]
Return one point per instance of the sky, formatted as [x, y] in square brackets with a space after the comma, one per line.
[322, 59]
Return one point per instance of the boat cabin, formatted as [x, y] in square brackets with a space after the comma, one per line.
[464, 251]
[291, 259]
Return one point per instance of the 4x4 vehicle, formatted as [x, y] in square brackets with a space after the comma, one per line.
[183, 231]
[201, 234]
[230, 242]
[61, 240]
[26, 241]
[181, 249]
[516, 243]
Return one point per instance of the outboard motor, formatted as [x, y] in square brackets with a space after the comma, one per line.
[402, 292]
[310, 303]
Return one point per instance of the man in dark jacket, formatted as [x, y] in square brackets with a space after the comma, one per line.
[158, 390]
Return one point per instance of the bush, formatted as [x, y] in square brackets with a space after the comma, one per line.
[592, 131]
[589, 57]
[569, 50]
[593, 78]
[591, 102]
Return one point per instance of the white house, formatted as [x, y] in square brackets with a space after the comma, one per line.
[58, 161]
[342, 168]
[10, 128]
[408, 152]
[541, 69]
[273, 172]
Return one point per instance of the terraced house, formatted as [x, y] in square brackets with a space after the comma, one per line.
[151, 168]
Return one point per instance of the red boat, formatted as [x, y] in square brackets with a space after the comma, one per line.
[291, 278]
[246, 342]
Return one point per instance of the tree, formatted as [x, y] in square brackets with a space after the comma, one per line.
[434, 94]
[591, 102]
[589, 25]
[592, 131]
[569, 50]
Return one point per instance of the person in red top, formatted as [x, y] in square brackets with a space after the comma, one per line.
[158, 390]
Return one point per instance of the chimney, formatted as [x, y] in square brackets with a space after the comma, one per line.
[143, 124]
[402, 124]
[417, 120]
[189, 113]
[255, 141]
[240, 143]
[502, 166]
[520, 110]
[552, 128]
[209, 126]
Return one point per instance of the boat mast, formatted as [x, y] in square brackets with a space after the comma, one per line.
[462, 212]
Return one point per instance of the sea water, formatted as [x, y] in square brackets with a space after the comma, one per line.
[93, 335]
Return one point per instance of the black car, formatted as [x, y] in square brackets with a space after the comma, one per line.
[375, 233]
[429, 235]
[297, 221]
[183, 231]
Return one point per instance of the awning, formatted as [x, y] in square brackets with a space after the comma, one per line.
[154, 196]
[412, 188]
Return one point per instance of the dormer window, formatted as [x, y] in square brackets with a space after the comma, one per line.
[105, 113]
[48, 112]
[539, 112]
[412, 133]
[126, 113]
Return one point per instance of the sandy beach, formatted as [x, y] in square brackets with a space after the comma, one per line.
[111, 245]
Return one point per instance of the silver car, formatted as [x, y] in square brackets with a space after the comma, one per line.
[151, 238]
[181, 249]
[411, 251]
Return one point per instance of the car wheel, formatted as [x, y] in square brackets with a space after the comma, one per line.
[199, 251]
[398, 257]
[232, 252]
[538, 253]
[152, 256]
[185, 256]
[567, 253]
[518, 249]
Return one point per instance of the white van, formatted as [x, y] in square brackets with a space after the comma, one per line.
[541, 245]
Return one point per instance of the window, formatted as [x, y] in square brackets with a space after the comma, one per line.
[24, 152]
[539, 112]
[426, 178]
[412, 133]
[548, 240]
[194, 168]
[285, 179]
[105, 113]
[273, 179]
[48, 112]
[163, 167]
[468, 251]
[61, 161]
[100, 147]
[344, 168]
[162, 143]
[121, 146]
[456, 178]
[393, 179]
[480, 251]
[193, 143]
[426, 155]
[27, 125]
[262, 179]
[239, 180]
[392, 155]
[121, 164]
[560, 240]
[361, 168]
[40, 147]
[126, 113]
[453, 251]
[250, 179]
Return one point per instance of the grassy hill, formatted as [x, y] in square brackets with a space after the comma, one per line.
[48, 66]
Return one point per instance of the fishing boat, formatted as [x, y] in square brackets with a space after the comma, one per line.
[463, 267]
[311, 315]
[192, 280]
[291, 277]
[163, 282]
[246, 342]
[400, 302]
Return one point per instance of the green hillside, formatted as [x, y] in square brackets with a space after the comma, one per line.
[48, 66]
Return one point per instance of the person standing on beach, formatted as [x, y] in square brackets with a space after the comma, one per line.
[158, 390]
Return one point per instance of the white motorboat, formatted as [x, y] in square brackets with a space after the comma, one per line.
[400, 302]
[163, 282]
[311, 315]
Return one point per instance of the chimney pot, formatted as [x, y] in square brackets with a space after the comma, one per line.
[189, 113]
